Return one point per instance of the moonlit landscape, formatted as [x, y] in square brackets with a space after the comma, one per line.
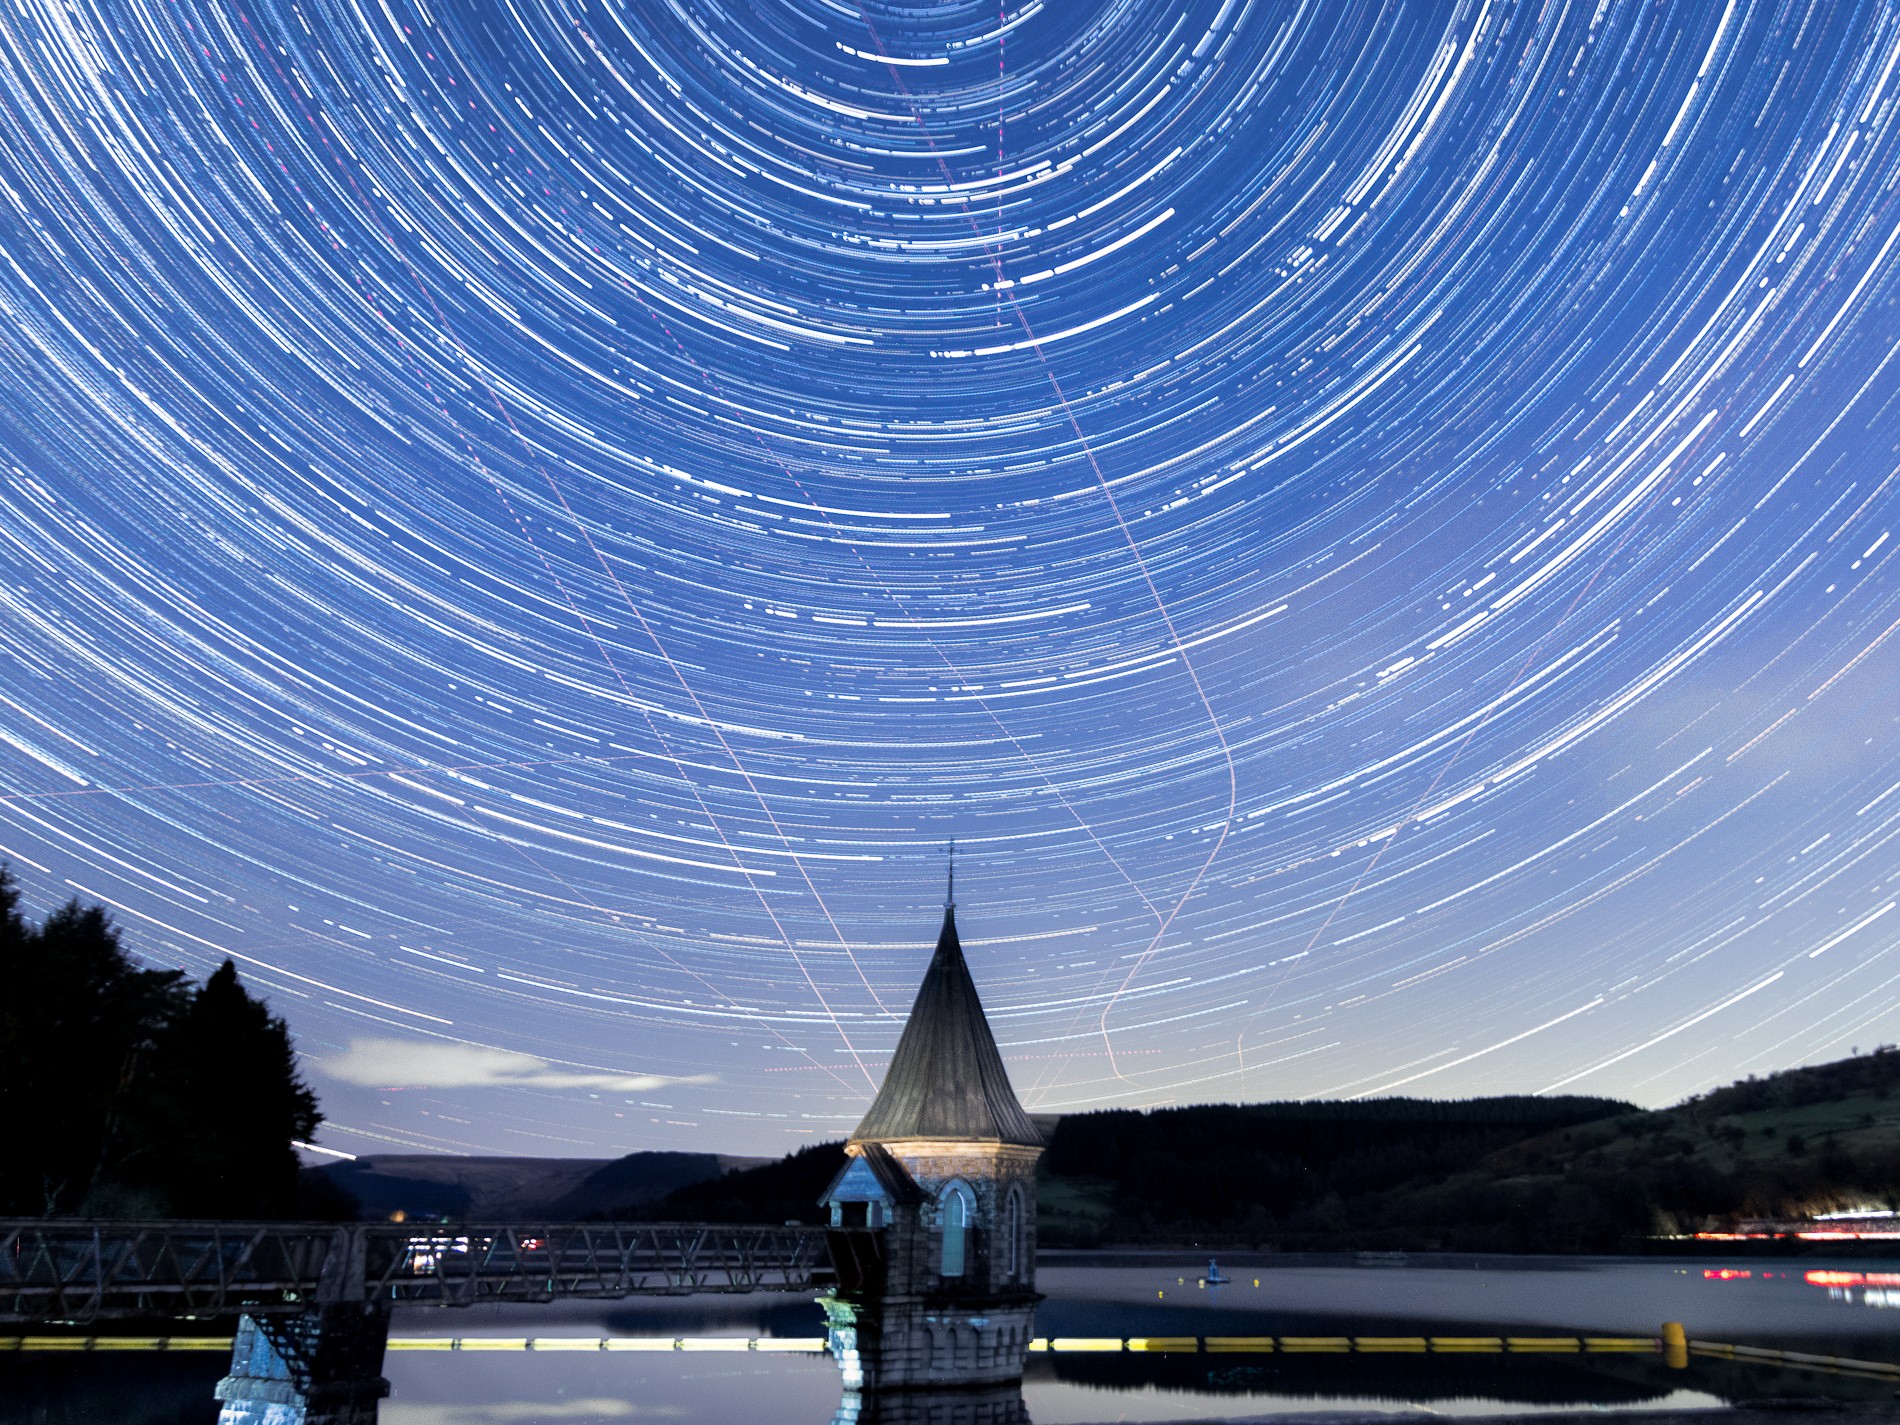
[531, 526]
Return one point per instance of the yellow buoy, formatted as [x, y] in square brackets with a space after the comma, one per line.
[1675, 1344]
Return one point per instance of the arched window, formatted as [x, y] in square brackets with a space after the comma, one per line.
[1013, 1235]
[958, 1210]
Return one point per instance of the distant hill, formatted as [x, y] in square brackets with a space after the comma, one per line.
[1249, 1171]
[1320, 1176]
[1490, 1174]
[555, 1189]
[782, 1191]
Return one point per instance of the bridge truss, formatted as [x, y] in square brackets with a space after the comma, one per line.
[65, 1271]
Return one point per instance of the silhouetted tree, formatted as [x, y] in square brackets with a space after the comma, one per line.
[77, 1024]
[228, 1105]
[125, 1092]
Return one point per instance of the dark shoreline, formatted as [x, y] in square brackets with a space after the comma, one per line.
[1138, 1254]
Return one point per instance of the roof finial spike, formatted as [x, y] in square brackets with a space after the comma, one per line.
[950, 894]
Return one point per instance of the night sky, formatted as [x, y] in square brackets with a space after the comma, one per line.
[530, 523]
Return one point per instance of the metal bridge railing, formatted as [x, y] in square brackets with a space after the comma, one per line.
[72, 1271]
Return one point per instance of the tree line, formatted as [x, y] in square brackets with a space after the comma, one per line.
[132, 1092]
[1218, 1162]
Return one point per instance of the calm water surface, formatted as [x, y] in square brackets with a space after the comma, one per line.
[1841, 1307]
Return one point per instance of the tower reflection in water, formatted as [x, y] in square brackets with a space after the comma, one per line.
[993, 1405]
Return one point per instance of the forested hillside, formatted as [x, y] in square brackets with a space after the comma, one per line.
[1498, 1174]
[1249, 1168]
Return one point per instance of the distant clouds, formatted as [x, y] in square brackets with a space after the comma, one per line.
[418, 1063]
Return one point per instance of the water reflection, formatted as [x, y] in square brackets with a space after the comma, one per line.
[1574, 1382]
[1806, 1307]
[684, 1388]
[1878, 1290]
[996, 1405]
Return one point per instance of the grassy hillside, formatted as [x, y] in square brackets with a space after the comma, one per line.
[1819, 1139]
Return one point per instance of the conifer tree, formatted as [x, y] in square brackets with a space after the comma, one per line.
[77, 1026]
[125, 1092]
[230, 1104]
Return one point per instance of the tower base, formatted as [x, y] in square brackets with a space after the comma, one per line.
[905, 1344]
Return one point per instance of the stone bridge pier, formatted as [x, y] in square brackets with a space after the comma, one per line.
[323, 1366]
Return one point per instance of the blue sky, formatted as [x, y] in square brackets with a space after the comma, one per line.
[531, 526]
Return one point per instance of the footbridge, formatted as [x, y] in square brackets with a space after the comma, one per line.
[82, 1272]
[313, 1300]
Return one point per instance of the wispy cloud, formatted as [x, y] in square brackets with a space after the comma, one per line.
[442, 1064]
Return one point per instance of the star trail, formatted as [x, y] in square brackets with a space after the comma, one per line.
[531, 525]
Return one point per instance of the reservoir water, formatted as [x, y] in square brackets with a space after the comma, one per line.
[1839, 1307]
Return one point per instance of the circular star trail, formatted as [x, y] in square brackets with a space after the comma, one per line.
[530, 526]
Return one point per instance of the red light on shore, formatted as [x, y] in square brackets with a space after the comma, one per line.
[1848, 1236]
[1836, 1278]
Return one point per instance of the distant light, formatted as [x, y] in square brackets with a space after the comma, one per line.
[327, 1152]
[1852, 1212]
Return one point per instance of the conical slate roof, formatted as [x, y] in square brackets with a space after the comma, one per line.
[947, 1079]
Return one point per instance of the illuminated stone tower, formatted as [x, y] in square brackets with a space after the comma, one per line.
[934, 1214]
